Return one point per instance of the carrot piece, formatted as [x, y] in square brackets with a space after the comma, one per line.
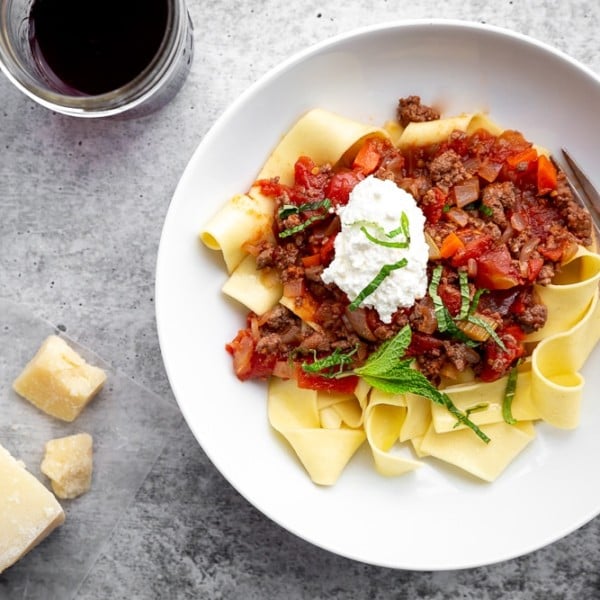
[311, 261]
[525, 156]
[450, 245]
[546, 175]
[368, 157]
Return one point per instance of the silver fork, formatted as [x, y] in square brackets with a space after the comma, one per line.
[585, 192]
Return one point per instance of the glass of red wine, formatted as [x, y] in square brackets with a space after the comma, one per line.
[96, 58]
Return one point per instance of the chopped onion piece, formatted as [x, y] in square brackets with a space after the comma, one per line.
[434, 250]
[458, 216]
[518, 221]
[489, 170]
[466, 192]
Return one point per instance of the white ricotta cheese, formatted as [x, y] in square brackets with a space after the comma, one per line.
[376, 206]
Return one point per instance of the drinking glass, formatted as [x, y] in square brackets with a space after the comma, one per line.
[155, 85]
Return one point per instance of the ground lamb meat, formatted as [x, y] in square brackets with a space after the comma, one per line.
[430, 364]
[266, 255]
[546, 274]
[533, 317]
[315, 341]
[314, 273]
[460, 355]
[497, 197]
[280, 257]
[410, 110]
[417, 187]
[447, 170]
[271, 343]
[278, 318]
[578, 219]
[422, 316]
[505, 193]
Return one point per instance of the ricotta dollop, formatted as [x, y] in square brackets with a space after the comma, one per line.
[377, 206]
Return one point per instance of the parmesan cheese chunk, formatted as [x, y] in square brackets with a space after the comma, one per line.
[68, 464]
[58, 380]
[28, 511]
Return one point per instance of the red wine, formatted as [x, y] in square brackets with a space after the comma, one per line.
[95, 46]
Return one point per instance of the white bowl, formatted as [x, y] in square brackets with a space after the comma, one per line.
[433, 518]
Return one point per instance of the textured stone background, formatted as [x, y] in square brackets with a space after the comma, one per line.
[81, 210]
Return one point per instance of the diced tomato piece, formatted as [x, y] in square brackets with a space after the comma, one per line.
[509, 142]
[327, 250]
[340, 185]
[420, 343]
[433, 209]
[502, 302]
[534, 266]
[475, 244]
[241, 349]
[270, 187]
[309, 176]
[539, 215]
[248, 364]
[495, 270]
[312, 381]
[498, 362]
[451, 297]
[553, 253]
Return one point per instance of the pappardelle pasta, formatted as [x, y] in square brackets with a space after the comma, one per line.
[431, 283]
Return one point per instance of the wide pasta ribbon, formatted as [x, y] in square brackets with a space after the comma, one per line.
[483, 402]
[324, 136]
[569, 295]
[327, 138]
[467, 451]
[557, 385]
[571, 332]
[392, 418]
[295, 414]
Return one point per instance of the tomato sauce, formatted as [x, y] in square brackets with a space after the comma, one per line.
[512, 219]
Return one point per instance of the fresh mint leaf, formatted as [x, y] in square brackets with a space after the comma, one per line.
[388, 371]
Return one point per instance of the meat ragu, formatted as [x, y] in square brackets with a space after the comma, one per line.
[499, 218]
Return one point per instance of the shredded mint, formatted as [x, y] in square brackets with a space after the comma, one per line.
[442, 314]
[465, 296]
[330, 366]
[467, 310]
[376, 282]
[473, 409]
[402, 229]
[509, 395]
[291, 209]
[488, 329]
